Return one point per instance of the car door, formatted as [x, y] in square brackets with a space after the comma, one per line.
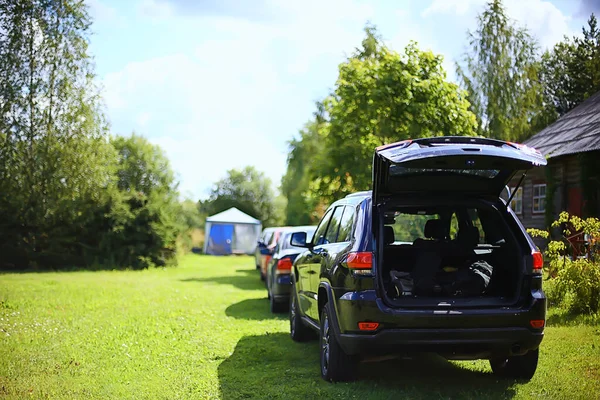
[303, 265]
[320, 257]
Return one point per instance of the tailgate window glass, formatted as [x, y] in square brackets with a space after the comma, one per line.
[397, 170]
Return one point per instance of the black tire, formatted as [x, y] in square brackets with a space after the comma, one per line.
[298, 331]
[516, 367]
[276, 306]
[336, 366]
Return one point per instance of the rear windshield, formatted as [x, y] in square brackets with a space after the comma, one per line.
[397, 170]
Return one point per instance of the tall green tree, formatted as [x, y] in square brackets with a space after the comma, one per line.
[381, 97]
[301, 205]
[500, 72]
[53, 138]
[249, 191]
[571, 70]
[145, 218]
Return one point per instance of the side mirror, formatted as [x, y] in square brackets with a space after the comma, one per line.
[299, 239]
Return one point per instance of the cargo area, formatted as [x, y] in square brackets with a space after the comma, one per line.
[449, 253]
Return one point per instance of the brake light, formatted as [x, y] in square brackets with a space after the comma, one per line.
[538, 262]
[360, 260]
[368, 326]
[285, 264]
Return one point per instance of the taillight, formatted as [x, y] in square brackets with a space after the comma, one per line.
[284, 265]
[362, 260]
[538, 262]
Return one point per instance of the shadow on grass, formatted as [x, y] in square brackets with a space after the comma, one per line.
[253, 309]
[248, 272]
[273, 366]
[90, 268]
[245, 282]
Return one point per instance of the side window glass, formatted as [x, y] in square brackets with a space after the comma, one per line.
[345, 233]
[334, 226]
[319, 237]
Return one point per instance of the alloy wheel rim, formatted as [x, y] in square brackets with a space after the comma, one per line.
[293, 316]
[325, 345]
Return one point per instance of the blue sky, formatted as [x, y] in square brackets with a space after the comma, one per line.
[222, 84]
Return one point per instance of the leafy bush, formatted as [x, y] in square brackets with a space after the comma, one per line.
[573, 268]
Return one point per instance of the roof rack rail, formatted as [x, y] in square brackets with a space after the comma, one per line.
[363, 193]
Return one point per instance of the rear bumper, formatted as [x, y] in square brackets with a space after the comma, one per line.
[457, 333]
[474, 343]
[281, 287]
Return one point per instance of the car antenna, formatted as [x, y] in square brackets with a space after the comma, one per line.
[516, 188]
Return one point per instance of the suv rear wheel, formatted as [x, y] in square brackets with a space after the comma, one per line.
[516, 367]
[298, 331]
[336, 366]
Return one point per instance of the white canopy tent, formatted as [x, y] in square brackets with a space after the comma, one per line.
[231, 232]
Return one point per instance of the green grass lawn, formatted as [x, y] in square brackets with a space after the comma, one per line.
[203, 330]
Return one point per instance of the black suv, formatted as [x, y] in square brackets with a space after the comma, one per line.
[432, 260]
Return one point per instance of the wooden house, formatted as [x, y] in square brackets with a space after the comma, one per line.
[571, 180]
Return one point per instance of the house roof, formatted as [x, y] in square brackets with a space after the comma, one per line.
[233, 216]
[577, 131]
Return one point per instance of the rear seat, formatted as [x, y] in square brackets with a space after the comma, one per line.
[396, 257]
[436, 234]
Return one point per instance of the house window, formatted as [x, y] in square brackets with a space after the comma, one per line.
[517, 201]
[539, 198]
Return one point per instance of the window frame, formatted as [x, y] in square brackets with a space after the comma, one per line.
[542, 199]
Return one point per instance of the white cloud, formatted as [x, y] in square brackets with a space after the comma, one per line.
[102, 13]
[458, 7]
[143, 118]
[155, 8]
[203, 114]
[543, 19]
[238, 87]
[233, 98]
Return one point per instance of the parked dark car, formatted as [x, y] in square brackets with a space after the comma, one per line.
[432, 260]
[266, 248]
[278, 270]
[263, 241]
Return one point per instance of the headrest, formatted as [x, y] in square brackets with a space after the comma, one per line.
[468, 236]
[388, 235]
[435, 229]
